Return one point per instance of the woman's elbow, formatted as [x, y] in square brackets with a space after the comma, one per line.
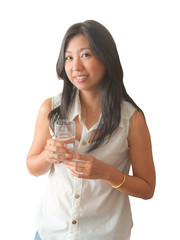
[149, 194]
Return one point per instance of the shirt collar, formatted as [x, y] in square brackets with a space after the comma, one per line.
[75, 108]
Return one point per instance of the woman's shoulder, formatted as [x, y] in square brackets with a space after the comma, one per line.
[127, 109]
[131, 117]
[56, 100]
[49, 104]
[45, 107]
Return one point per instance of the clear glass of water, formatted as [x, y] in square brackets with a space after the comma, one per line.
[65, 130]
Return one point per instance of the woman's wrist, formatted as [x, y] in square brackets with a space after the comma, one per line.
[121, 183]
[38, 164]
[115, 177]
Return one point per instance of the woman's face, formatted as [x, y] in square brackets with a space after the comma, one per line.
[82, 67]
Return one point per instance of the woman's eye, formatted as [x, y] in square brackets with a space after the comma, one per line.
[68, 58]
[86, 55]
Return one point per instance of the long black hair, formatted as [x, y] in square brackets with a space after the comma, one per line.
[113, 91]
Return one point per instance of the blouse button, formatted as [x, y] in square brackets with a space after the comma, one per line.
[76, 195]
[84, 143]
[74, 222]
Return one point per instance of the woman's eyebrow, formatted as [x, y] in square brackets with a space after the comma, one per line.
[81, 49]
[85, 49]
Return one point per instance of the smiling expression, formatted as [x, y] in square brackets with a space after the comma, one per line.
[83, 69]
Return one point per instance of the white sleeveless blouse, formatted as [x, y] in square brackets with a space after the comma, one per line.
[82, 209]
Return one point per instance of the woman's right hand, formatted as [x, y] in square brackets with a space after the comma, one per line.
[45, 151]
[55, 151]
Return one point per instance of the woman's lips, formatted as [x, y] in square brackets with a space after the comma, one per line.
[80, 78]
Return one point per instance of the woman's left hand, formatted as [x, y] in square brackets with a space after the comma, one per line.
[86, 166]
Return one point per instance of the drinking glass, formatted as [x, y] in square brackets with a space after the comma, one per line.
[65, 130]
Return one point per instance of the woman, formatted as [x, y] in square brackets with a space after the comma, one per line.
[88, 199]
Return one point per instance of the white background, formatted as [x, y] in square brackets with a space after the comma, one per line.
[147, 34]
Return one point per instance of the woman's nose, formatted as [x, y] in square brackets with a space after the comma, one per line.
[77, 64]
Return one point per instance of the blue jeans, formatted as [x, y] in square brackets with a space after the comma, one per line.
[37, 237]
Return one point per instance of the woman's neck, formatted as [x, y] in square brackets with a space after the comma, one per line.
[90, 101]
[90, 107]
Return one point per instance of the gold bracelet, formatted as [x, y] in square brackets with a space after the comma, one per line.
[124, 179]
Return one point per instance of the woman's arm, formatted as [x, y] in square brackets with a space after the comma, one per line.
[36, 160]
[42, 153]
[142, 183]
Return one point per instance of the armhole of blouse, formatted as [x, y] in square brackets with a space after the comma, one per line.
[132, 110]
[132, 113]
[52, 107]
[52, 103]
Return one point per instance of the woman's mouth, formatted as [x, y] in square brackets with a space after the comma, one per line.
[80, 79]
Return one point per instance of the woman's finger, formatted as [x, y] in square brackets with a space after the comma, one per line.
[77, 166]
[56, 149]
[50, 157]
[60, 157]
[56, 142]
[64, 140]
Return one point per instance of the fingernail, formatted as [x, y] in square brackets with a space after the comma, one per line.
[68, 155]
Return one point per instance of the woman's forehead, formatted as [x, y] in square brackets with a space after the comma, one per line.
[78, 41]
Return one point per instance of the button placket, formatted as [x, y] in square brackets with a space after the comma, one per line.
[84, 142]
[74, 222]
[76, 197]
